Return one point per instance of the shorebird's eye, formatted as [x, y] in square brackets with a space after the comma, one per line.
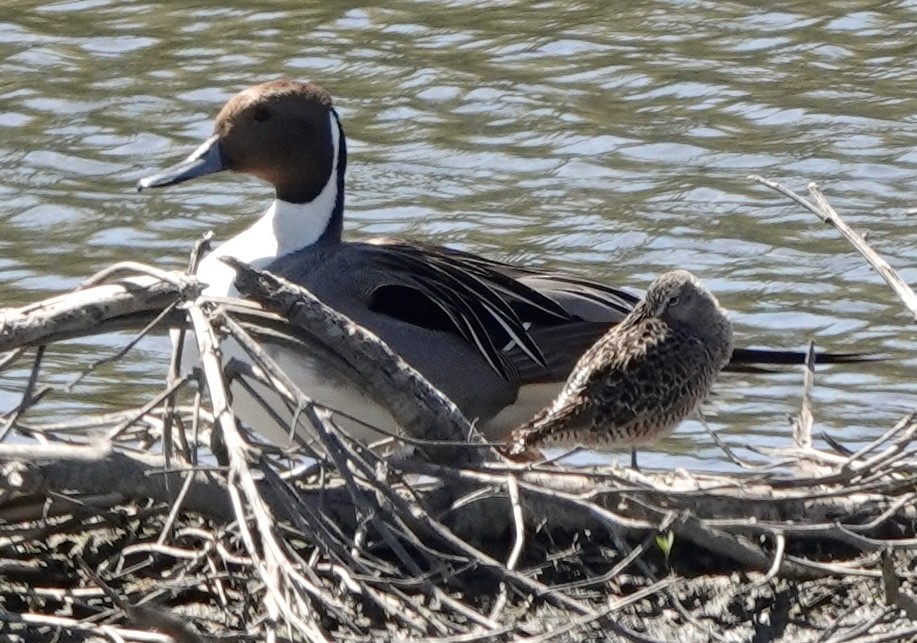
[673, 300]
[262, 114]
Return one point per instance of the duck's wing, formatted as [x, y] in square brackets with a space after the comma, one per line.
[545, 320]
[578, 297]
[528, 325]
[459, 293]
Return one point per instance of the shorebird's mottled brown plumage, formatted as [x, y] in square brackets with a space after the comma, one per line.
[643, 377]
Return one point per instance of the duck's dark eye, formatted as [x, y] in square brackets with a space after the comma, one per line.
[673, 300]
[262, 114]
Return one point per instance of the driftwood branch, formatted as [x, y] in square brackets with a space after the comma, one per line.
[83, 311]
[828, 214]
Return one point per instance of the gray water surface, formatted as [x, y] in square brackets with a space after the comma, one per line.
[608, 139]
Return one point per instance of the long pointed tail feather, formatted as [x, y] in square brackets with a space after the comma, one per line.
[748, 360]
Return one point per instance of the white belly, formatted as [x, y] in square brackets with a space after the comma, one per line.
[531, 399]
[356, 413]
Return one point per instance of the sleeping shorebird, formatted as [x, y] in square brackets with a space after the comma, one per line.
[642, 378]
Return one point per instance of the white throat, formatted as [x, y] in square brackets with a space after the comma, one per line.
[284, 228]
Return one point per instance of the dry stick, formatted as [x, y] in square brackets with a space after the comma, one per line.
[156, 548]
[184, 446]
[274, 565]
[324, 533]
[28, 396]
[486, 562]
[802, 423]
[821, 532]
[11, 356]
[512, 487]
[500, 634]
[177, 279]
[903, 634]
[212, 574]
[401, 610]
[900, 426]
[892, 278]
[341, 457]
[764, 491]
[79, 313]
[802, 427]
[79, 425]
[712, 634]
[16, 413]
[315, 527]
[176, 507]
[401, 513]
[556, 508]
[851, 633]
[778, 559]
[854, 568]
[240, 372]
[493, 477]
[870, 465]
[8, 358]
[127, 475]
[200, 248]
[153, 618]
[608, 576]
[856, 633]
[731, 455]
[53, 506]
[885, 515]
[554, 496]
[121, 352]
[79, 625]
[603, 614]
[92, 452]
[295, 578]
[894, 597]
[146, 408]
[823, 210]
[697, 531]
[196, 422]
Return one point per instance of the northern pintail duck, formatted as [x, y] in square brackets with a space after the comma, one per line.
[642, 378]
[497, 339]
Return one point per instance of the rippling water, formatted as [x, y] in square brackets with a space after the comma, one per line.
[607, 139]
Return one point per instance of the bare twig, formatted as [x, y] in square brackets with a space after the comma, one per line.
[802, 427]
[83, 312]
[56, 451]
[823, 209]
[512, 487]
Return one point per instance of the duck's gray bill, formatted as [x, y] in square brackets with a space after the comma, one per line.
[204, 160]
